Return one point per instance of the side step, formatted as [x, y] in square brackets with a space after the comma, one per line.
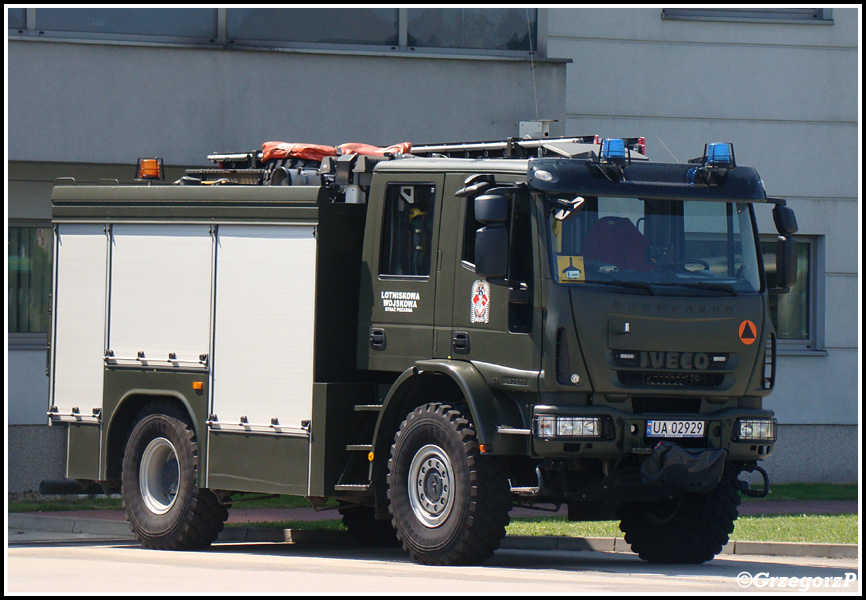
[353, 487]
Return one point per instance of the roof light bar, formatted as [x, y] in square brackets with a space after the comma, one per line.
[719, 154]
[613, 149]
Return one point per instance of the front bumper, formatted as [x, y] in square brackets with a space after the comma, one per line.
[621, 433]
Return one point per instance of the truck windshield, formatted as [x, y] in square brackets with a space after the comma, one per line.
[649, 244]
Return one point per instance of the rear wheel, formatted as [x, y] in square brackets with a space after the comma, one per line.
[165, 507]
[691, 529]
[449, 504]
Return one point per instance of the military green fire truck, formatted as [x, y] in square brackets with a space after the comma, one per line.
[428, 335]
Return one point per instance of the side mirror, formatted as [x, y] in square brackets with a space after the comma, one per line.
[491, 251]
[491, 241]
[786, 263]
[491, 208]
[785, 220]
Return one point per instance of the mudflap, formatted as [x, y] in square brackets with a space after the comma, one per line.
[685, 469]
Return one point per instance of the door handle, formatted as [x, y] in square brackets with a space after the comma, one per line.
[378, 341]
[460, 342]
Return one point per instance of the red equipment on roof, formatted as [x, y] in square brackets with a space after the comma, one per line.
[277, 150]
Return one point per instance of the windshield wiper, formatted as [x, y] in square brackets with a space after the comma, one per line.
[717, 287]
[641, 285]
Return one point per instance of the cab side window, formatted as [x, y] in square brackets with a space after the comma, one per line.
[407, 230]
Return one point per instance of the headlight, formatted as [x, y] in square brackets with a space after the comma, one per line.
[548, 426]
[756, 430]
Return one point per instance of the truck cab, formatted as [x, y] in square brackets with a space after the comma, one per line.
[604, 318]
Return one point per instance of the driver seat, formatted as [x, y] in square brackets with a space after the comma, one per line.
[615, 240]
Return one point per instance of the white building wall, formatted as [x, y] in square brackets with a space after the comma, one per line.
[98, 103]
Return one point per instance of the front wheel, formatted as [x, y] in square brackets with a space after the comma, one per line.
[449, 504]
[165, 507]
[690, 529]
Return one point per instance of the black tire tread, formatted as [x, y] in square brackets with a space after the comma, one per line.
[204, 516]
[489, 502]
[695, 535]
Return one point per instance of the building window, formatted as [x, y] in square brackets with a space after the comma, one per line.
[493, 31]
[764, 15]
[794, 314]
[29, 265]
[473, 28]
[408, 230]
[17, 18]
[374, 26]
[190, 23]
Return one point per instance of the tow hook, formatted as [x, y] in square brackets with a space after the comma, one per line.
[744, 485]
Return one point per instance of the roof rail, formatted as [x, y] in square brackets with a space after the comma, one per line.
[570, 147]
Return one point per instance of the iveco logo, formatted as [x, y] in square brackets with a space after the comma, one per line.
[673, 360]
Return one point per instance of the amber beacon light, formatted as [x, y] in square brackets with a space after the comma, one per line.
[149, 169]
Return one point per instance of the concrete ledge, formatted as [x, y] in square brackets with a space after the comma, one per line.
[37, 522]
[741, 548]
[797, 549]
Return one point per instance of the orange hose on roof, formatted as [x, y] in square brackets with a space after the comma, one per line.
[368, 150]
[277, 150]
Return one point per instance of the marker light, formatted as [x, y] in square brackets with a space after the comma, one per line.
[719, 154]
[612, 148]
[149, 169]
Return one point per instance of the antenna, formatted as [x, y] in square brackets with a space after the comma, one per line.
[668, 149]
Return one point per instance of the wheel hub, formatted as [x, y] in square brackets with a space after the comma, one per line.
[159, 476]
[431, 479]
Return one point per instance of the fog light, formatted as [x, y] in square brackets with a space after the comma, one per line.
[545, 427]
[757, 430]
[548, 426]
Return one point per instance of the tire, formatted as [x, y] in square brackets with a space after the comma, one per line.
[367, 530]
[448, 503]
[691, 529]
[165, 507]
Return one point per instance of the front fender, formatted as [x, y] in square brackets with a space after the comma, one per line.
[488, 409]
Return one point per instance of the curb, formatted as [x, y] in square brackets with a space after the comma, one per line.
[120, 530]
[736, 548]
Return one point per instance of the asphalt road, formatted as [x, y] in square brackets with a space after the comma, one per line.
[81, 563]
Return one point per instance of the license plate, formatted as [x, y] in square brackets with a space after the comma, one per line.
[674, 429]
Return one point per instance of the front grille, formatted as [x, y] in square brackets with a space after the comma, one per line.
[644, 405]
[662, 379]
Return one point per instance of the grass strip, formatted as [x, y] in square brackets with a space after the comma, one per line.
[824, 529]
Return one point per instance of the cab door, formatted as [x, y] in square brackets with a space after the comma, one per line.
[496, 322]
[401, 257]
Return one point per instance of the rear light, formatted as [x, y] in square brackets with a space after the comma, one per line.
[149, 169]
